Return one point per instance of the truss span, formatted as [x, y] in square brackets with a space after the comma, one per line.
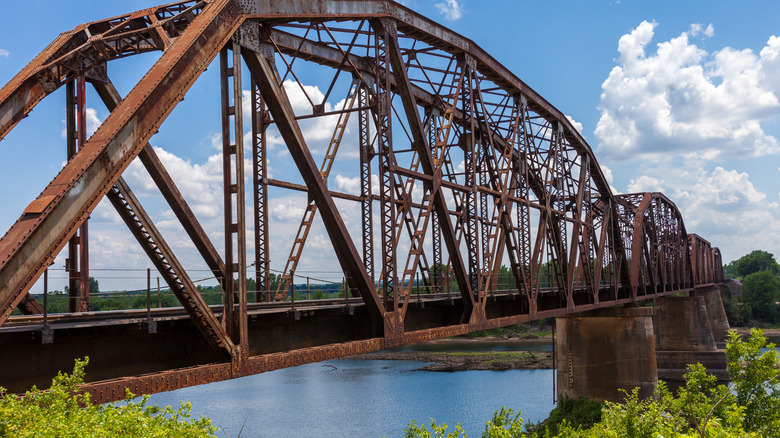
[475, 171]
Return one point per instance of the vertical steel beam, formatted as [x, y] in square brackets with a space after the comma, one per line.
[234, 285]
[366, 199]
[426, 160]
[384, 127]
[77, 263]
[260, 198]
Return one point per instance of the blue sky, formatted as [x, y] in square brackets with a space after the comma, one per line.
[679, 97]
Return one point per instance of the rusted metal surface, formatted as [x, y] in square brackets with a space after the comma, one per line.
[475, 170]
[33, 241]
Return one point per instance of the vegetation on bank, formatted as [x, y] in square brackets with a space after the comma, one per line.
[535, 329]
[701, 408]
[757, 304]
[65, 411]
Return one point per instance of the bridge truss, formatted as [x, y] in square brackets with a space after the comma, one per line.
[475, 170]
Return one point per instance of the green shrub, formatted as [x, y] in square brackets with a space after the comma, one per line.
[65, 411]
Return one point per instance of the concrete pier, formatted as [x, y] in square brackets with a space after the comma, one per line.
[602, 351]
[684, 334]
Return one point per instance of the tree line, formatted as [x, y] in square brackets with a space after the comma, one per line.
[757, 304]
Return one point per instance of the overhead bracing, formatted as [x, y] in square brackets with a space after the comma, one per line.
[475, 171]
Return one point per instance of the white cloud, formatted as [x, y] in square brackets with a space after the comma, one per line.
[200, 184]
[726, 190]
[5, 53]
[682, 100]
[348, 185]
[93, 123]
[610, 178]
[577, 125]
[645, 184]
[287, 211]
[451, 9]
[699, 29]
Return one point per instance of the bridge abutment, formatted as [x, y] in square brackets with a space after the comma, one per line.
[605, 350]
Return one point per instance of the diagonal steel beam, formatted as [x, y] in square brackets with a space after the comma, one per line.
[280, 108]
[33, 241]
[111, 98]
[406, 93]
[24, 91]
[161, 255]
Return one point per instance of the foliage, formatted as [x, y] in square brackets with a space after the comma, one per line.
[505, 424]
[582, 411]
[65, 411]
[755, 381]
[761, 290]
[756, 261]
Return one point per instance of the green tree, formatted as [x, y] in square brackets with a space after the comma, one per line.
[756, 261]
[94, 286]
[761, 290]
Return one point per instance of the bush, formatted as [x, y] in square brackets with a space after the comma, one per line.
[65, 411]
[582, 411]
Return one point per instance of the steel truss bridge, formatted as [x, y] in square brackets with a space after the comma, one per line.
[475, 170]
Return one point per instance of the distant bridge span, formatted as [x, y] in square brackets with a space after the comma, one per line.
[475, 170]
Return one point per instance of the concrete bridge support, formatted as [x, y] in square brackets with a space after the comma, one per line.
[689, 330]
[716, 314]
[602, 351]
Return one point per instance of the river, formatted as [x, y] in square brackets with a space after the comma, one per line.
[356, 398]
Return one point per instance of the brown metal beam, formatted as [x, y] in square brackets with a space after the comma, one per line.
[161, 255]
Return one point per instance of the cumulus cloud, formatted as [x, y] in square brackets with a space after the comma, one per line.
[577, 125]
[610, 178]
[722, 205]
[287, 211]
[348, 185]
[200, 184]
[5, 53]
[683, 100]
[451, 9]
[645, 184]
[93, 123]
[725, 190]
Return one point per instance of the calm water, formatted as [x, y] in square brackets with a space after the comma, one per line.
[349, 398]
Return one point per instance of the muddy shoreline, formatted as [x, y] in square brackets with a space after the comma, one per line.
[451, 361]
[467, 361]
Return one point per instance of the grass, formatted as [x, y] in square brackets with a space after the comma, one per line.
[537, 328]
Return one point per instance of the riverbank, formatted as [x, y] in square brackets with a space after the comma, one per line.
[768, 332]
[466, 361]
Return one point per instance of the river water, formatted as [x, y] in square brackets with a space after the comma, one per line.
[355, 398]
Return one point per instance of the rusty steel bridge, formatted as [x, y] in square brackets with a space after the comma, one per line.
[529, 194]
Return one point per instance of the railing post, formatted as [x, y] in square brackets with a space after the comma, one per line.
[47, 337]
